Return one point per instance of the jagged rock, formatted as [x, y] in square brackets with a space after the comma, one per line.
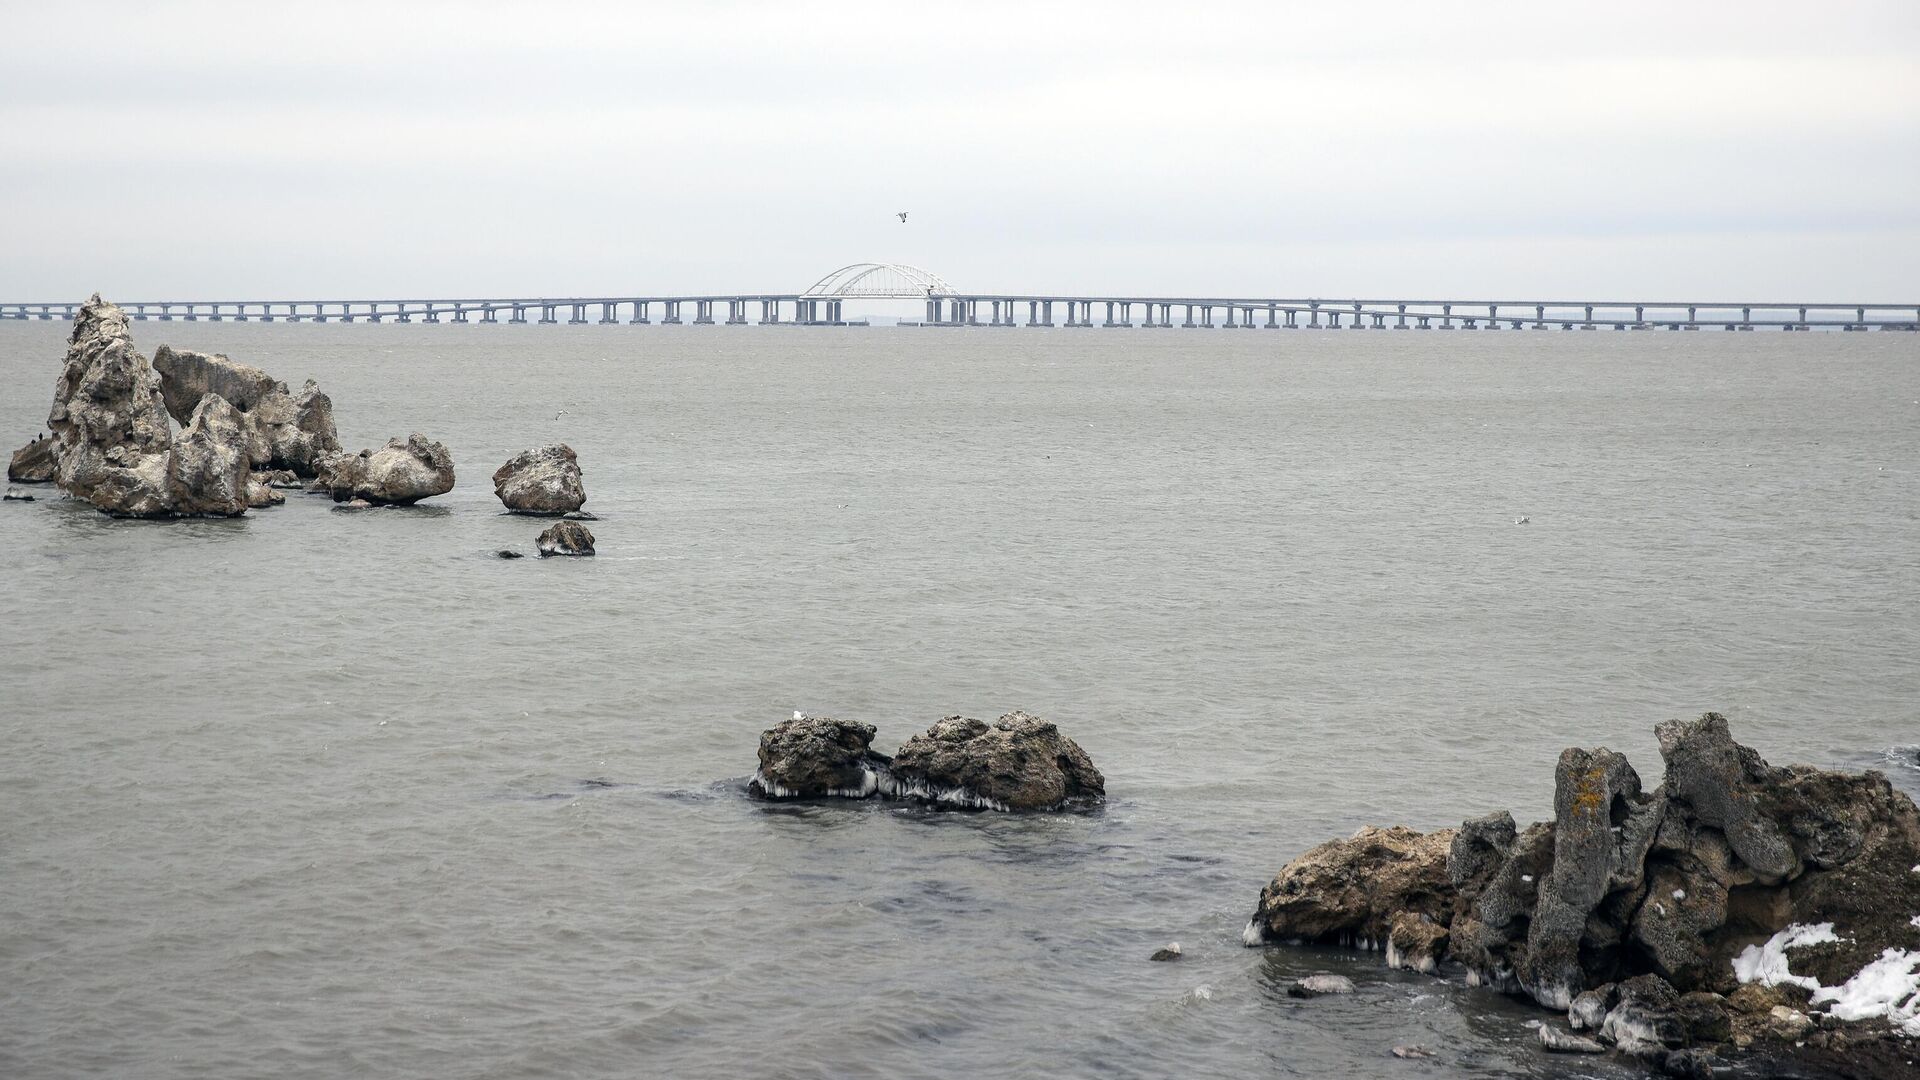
[1349, 891]
[1562, 1042]
[187, 376]
[207, 472]
[1020, 762]
[261, 493]
[544, 481]
[1705, 1017]
[398, 474]
[280, 478]
[33, 463]
[295, 432]
[816, 756]
[1320, 986]
[1715, 777]
[1168, 954]
[109, 420]
[1603, 826]
[565, 538]
[1479, 848]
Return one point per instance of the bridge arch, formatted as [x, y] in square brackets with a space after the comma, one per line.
[881, 281]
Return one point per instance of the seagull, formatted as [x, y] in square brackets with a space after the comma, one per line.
[798, 715]
[902, 216]
[1523, 521]
[560, 414]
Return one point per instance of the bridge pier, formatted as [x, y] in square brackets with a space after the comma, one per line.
[548, 313]
[519, 314]
[703, 313]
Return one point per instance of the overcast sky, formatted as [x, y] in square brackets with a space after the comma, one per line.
[1758, 149]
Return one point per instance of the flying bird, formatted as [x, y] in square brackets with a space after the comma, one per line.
[903, 217]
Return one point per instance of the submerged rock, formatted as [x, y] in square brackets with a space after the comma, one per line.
[1170, 953]
[565, 538]
[545, 481]
[508, 553]
[398, 474]
[1320, 986]
[15, 496]
[1020, 762]
[32, 463]
[1563, 1042]
[815, 756]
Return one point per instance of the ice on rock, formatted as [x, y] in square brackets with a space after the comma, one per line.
[1767, 964]
[1888, 987]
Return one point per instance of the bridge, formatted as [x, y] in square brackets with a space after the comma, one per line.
[821, 304]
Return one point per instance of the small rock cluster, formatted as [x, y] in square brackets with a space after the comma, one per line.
[1658, 921]
[1019, 762]
[242, 436]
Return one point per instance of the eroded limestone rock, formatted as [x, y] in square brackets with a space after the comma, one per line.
[543, 481]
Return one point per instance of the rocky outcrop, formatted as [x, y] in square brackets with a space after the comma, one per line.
[545, 481]
[32, 463]
[1636, 911]
[115, 446]
[810, 757]
[565, 538]
[1020, 762]
[398, 474]
[207, 472]
[283, 430]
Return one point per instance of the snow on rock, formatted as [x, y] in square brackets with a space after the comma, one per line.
[1767, 964]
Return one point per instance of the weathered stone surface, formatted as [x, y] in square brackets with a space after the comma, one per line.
[109, 420]
[1603, 826]
[1715, 777]
[32, 463]
[398, 474]
[565, 538]
[1020, 762]
[187, 376]
[207, 472]
[1590, 1007]
[1479, 848]
[260, 492]
[816, 756]
[1350, 891]
[544, 481]
[1646, 1021]
[1416, 942]
[294, 431]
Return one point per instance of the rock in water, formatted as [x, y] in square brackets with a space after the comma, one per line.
[545, 481]
[1563, 1042]
[508, 553]
[1021, 762]
[187, 376]
[207, 473]
[109, 420]
[1171, 952]
[815, 756]
[1320, 986]
[32, 463]
[1349, 892]
[1412, 1052]
[398, 474]
[565, 538]
[295, 431]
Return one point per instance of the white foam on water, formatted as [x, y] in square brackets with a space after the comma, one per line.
[1254, 934]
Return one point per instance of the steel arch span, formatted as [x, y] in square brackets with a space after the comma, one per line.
[881, 281]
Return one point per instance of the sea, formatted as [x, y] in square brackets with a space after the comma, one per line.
[322, 792]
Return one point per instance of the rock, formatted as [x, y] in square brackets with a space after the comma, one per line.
[505, 553]
[295, 432]
[1788, 1025]
[566, 538]
[398, 474]
[207, 472]
[1170, 953]
[1563, 1042]
[32, 463]
[1691, 1064]
[1646, 1021]
[1715, 777]
[280, 478]
[1705, 1017]
[1479, 848]
[1021, 762]
[815, 756]
[1320, 986]
[1590, 1007]
[1415, 942]
[15, 496]
[580, 515]
[261, 493]
[1412, 1052]
[1603, 826]
[187, 376]
[545, 481]
[1350, 891]
[108, 419]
